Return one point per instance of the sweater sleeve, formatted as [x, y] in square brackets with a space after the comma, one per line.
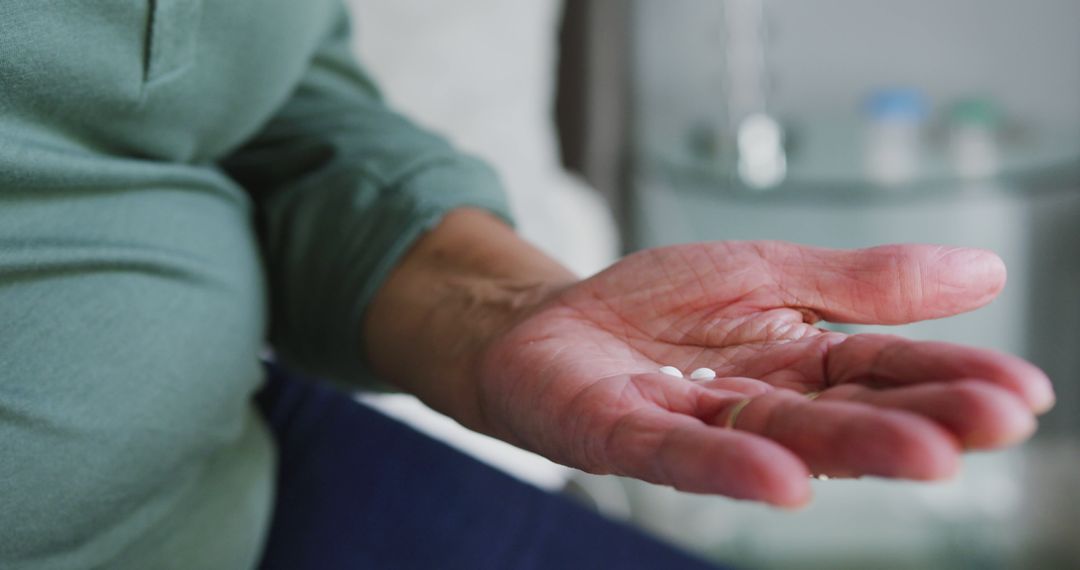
[342, 186]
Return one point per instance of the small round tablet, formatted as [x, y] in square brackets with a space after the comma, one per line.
[703, 374]
[671, 371]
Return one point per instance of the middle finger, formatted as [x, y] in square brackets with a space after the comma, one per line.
[980, 414]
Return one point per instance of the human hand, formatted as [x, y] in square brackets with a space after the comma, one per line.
[577, 378]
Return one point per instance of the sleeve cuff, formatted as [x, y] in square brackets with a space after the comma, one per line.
[387, 222]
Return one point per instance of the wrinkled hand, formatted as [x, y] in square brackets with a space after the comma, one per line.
[577, 379]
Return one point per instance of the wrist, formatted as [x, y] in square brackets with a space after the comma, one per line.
[459, 288]
[494, 308]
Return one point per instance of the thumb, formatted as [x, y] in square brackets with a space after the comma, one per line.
[891, 284]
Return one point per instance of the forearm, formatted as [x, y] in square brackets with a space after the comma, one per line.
[459, 287]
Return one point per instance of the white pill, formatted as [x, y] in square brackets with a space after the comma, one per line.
[671, 371]
[703, 374]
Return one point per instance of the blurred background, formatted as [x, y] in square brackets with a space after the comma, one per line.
[621, 124]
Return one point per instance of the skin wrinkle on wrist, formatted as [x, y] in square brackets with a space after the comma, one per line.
[465, 282]
[485, 308]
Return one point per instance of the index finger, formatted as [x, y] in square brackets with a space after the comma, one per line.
[887, 360]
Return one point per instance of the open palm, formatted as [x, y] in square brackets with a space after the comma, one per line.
[577, 380]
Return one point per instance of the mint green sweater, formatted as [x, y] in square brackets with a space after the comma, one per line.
[181, 182]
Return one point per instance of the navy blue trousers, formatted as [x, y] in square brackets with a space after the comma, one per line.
[358, 490]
